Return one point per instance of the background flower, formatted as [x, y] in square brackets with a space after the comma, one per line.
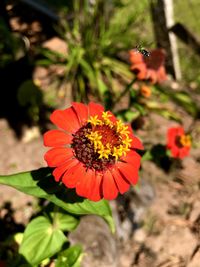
[149, 68]
[92, 151]
[178, 143]
[145, 91]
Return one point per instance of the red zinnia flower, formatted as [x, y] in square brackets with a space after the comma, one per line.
[178, 142]
[92, 152]
[149, 68]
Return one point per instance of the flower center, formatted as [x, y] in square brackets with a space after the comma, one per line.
[100, 142]
[156, 60]
[183, 140]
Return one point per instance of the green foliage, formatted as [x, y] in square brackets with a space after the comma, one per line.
[6, 41]
[181, 98]
[128, 115]
[12, 46]
[70, 257]
[45, 236]
[42, 239]
[95, 36]
[41, 184]
[63, 221]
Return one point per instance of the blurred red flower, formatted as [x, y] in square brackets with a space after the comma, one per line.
[92, 151]
[178, 142]
[149, 68]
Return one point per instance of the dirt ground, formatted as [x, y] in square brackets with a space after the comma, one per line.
[157, 225]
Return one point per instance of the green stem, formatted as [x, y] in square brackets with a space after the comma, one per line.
[55, 215]
[124, 92]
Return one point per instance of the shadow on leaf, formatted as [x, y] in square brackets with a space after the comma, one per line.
[46, 182]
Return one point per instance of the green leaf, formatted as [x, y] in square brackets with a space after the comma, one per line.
[40, 183]
[41, 240]
[100, 84]
[140, 108]
[63, 221]
[185, 100]
[88, 71]
[181, 98]
[44, 62]
[168, 114]
[128, 115]
[70, 257]
[147, 156]
[117, 67]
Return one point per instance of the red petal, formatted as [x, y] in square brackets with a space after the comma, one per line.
[66, 120]
[184, 152]
[59, 171]
[140, 70]
[171, 138]
[55, 138]
[95, 109]
[129, 171]
[152, 76]
[92, 183]
[136, 143]
[162, 76]
[179, 131]
[85, 184]
[57, 156]
[175, 151]
[110, 190]
[73, 175]
[135, 56]
[172, 133]
[133, 158]
[96, 193]
[122, 185]
[81, 111]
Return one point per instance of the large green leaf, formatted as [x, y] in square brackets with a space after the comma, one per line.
[42, 239]
[63, 221]
[40, 183]
[70, 257]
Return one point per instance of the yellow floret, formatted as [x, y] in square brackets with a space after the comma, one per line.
[95, 137]
[121, 128]
[106, 150]
[94, 120]
[105, 116]
[185, 140]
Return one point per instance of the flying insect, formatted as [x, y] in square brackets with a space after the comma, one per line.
[142, 51]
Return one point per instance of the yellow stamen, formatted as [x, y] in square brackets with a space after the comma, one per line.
[185, 140]
[106, 149]
[105, 116]
[95, 137]
[94, 120]
[103, 151]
